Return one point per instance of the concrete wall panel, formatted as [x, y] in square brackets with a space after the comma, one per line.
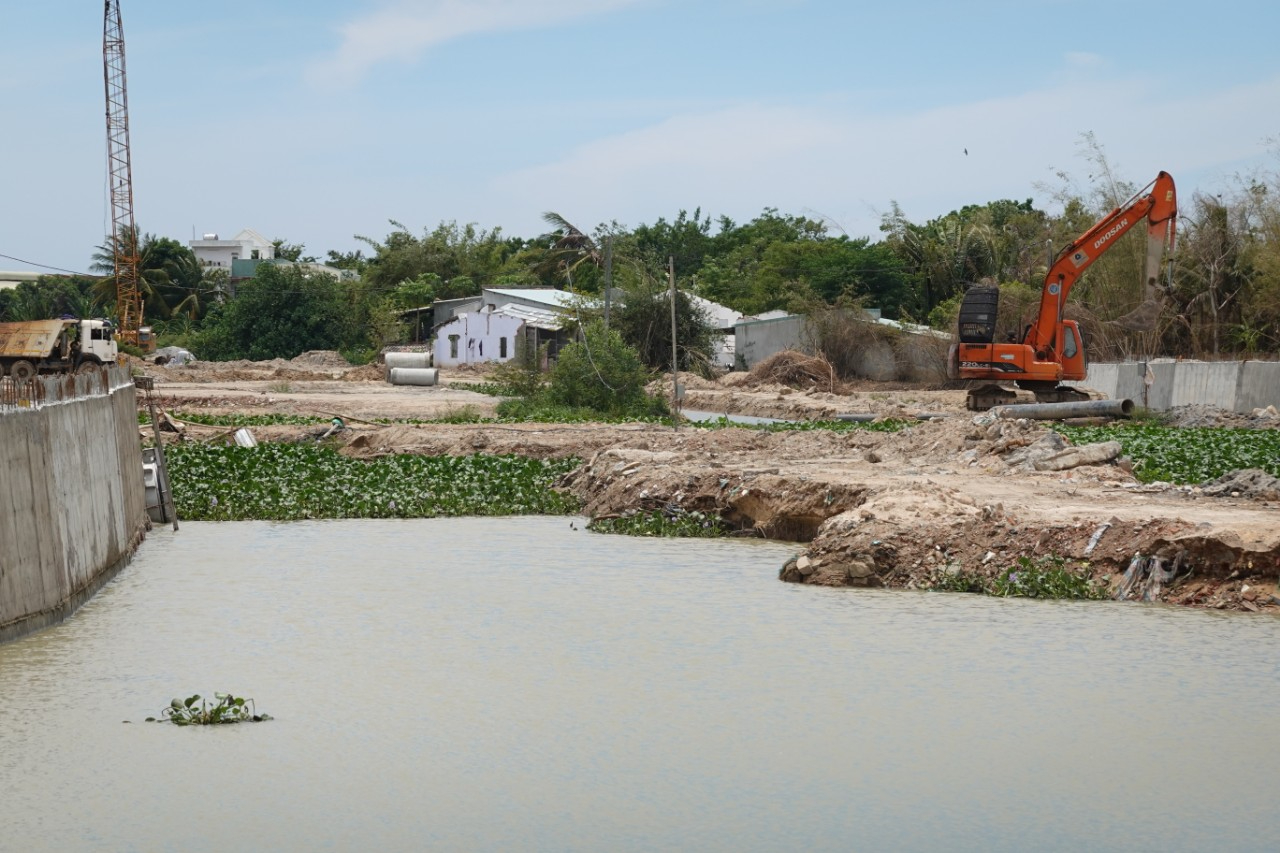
[1259, 386]
[1230, 385]
[1103, 378]
[72, 507]
[756, 340]
[1210, 383]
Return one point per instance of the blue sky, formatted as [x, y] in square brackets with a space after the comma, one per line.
[316, 121]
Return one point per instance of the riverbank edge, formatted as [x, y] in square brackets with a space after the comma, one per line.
[908, 535]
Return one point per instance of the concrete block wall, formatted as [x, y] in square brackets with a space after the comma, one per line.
[72, 508]
[1162, 384]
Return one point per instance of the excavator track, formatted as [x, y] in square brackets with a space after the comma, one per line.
[1061, 394]
[988, 397]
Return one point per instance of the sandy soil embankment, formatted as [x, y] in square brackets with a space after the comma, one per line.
[871, 508]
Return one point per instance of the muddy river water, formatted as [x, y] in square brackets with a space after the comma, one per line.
[518, 684]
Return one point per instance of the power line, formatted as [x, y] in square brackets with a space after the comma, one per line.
[47, 267]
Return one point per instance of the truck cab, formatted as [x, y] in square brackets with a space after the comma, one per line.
[98, 342]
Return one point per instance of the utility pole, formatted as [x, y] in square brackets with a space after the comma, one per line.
[608, 277]
[675, 375]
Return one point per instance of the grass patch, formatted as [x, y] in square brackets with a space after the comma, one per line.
[1186, 455]
[493, 389]
[677, 523]
[289, 482]
[462, 415]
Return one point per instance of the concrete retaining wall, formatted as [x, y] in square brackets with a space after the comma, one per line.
[886, 355]
[1162, 384]
[72, 509]
[756, 340]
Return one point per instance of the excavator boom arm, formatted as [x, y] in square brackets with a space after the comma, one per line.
[1157, 202]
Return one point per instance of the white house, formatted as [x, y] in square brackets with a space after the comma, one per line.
[477, 336]
[248, 245]
[472, 329]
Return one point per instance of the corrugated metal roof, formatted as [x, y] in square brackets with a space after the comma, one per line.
[536, 317]
[544, 296]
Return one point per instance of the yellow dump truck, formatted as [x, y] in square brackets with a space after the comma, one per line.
[54, 346]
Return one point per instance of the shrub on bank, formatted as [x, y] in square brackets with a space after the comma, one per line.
[597, 378]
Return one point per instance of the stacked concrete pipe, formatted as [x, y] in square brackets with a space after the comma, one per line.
[412, 375]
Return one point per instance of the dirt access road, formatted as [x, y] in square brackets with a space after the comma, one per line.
[895, 509]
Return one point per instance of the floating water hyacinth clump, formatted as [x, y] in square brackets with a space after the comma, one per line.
[289, 482]
[1186, 455]
[198, 711]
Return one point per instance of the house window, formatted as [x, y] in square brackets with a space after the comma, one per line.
[502, 347]
[453, 346]
[254, 254]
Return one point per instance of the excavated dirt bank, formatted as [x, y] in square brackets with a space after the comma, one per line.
[873, 509]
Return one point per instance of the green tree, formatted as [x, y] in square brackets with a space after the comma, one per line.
[49, 297]
[286, 251]
[170, 277]
[643, 319]
[573, 259]
[600, 373]
[450, 251]
[281, 312]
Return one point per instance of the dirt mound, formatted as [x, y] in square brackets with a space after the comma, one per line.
[1247, 483]
[366, 373]
[1203, 415]
[321, 358]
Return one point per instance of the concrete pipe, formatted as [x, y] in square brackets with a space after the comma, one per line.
[1059, 411]
[408, 359]
[413, 375]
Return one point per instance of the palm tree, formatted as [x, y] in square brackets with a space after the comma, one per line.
[169, 274]
[572, 248]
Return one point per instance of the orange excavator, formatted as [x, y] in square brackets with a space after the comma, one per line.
[1051, 349]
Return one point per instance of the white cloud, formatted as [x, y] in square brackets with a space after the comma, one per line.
[404, 30]
[848, 165]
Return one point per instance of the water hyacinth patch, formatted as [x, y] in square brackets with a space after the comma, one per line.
[224, 709]
[1185, 455]
[242, 420]
[1038, 577]
[289, 482]
[678, 523]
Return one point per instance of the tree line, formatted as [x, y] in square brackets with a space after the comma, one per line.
[1223, 284]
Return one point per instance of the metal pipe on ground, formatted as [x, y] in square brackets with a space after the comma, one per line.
[413, 375]
[1074, 409]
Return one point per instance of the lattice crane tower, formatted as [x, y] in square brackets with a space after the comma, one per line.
[124, 231]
